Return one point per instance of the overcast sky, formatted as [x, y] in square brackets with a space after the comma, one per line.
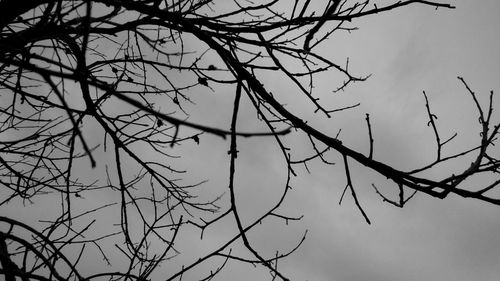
[406, 51]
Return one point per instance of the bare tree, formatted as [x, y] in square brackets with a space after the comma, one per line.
[111, 84]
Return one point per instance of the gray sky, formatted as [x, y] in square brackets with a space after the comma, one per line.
[406, 51]
[409, 51]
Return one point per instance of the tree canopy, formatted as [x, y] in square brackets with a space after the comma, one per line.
[104, 102]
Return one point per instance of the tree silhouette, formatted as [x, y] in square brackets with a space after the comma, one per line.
[111, 85]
